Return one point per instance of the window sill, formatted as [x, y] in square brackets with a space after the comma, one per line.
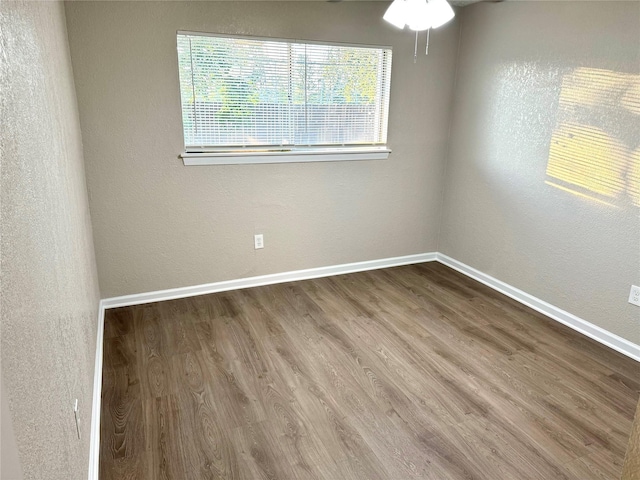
[298, 155]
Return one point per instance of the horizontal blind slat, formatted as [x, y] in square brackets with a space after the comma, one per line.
[241, 92]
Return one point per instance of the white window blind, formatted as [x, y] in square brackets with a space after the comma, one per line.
[269, 93]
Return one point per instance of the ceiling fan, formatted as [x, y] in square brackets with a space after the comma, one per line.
[454, 3]
[420, 15]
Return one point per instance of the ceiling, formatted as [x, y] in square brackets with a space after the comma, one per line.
[462, 3]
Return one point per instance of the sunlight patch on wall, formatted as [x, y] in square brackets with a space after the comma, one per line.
[595, 147]
[634, 175]
[587, 157]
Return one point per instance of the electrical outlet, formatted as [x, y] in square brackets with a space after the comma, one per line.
[634, 296]
[76, 414]
[258, 241]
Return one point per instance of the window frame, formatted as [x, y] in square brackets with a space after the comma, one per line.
[257, 154]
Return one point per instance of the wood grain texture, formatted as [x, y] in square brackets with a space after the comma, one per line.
[407, 372]
[631, 470]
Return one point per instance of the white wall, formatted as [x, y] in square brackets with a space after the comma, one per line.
[159, 224]
[10, 467]
[49, 294]
[543, 176]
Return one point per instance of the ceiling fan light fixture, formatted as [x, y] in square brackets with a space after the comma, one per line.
[418, 14]
[396, 14]
[441, 12]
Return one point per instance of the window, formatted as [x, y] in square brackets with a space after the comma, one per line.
[280, 100]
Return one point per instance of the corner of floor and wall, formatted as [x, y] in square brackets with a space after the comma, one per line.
[515, 161]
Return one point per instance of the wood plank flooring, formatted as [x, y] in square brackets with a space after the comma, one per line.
[401, 373]
[631, 469]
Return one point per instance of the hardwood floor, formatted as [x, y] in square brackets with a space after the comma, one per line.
[407, 372]
[631, 469]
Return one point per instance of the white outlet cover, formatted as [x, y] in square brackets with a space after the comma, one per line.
[634, 295]
[258, 241]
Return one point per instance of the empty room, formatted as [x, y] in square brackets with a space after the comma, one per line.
[320, 240]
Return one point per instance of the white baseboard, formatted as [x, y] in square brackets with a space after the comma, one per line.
[589, 329]
[94, 439]
[173, 293]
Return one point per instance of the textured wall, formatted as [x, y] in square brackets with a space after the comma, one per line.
[159, 224]
[49, 294]
[543, 175]
[10, 467]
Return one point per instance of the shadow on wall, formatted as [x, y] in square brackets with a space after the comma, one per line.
[595, 146]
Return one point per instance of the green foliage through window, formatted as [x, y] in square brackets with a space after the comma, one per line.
[239, 91]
